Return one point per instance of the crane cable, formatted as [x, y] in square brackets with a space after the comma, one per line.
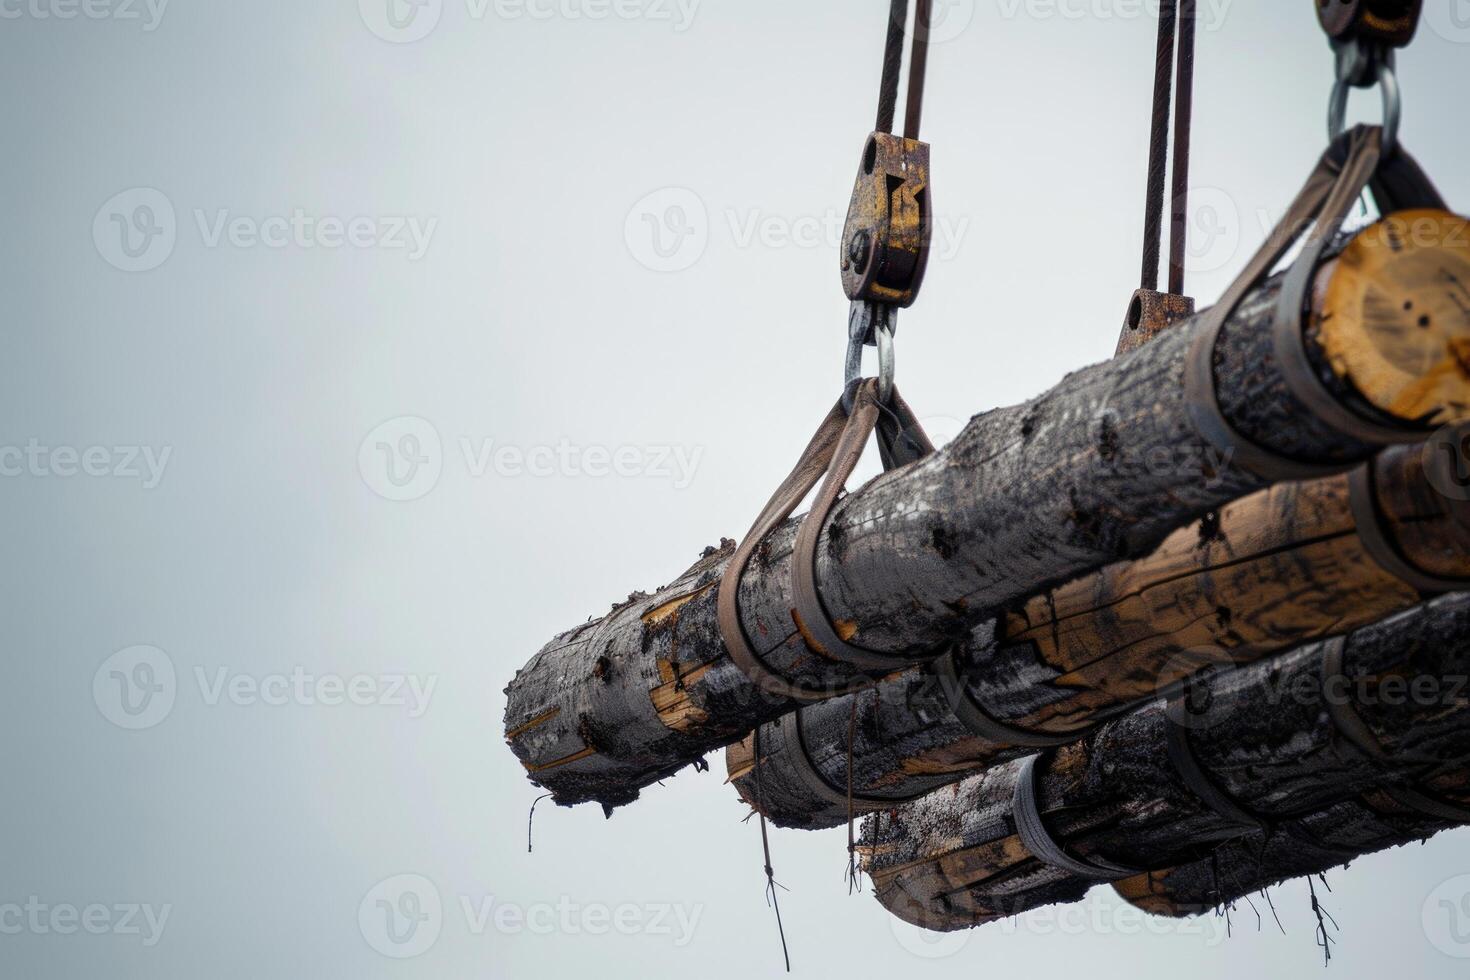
[1176, 18]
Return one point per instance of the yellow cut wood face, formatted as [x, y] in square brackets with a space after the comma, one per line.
[1394, 317]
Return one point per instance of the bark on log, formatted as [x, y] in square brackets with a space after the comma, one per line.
[1264, 737]
[1265, 574]
[1310, 845]
[1100, 468]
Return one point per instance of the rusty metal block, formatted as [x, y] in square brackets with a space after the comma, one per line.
[1391, 22]
[1150, 314]
[885, 244]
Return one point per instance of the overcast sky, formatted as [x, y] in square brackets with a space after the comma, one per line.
[355, 349]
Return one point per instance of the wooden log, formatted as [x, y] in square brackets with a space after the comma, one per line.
[1282, 567]
[1265, 738]
[1311, 844]
[1100, 468]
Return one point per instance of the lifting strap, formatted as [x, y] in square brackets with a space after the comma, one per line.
[1373, 533]
[973, 715]
[1026, 810]
[1204, 786]
[829, 458]
[1353, 163]
[1350, 724]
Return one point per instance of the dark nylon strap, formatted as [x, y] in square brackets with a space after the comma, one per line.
[1199, 782]
[1352, 727]
[1358, 173]
[1373, 533]
[793, 490]
[815, 461]
[976, 719]
[794, 741]
[1349, 166]
[901, 439]
[1025, 808]
[815, 620]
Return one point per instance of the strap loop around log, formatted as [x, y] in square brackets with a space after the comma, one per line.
[1203, 785]
[902, 440]
[1353, 163]
[1374, 536]
[1199, 782]
[1025, 809]
[815, 620]
[979, 721]
[793, 740]
[1350, 724]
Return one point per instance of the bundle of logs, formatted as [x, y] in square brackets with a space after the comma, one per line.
[1098, 647]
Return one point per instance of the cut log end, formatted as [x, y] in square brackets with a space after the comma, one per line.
[1394, 316]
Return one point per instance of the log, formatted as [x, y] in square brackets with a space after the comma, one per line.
[1098, 469]
[1263, 735]
[1280, 568]
[1311, 844]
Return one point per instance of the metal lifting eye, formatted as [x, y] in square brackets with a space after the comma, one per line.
[869, 324]
[1361, 65]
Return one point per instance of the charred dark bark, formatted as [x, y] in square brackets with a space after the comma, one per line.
[1280, 568]
[1309, 845]
[1099, 469]
[1262, 734]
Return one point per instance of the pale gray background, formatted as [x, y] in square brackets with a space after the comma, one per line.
[532, 320]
